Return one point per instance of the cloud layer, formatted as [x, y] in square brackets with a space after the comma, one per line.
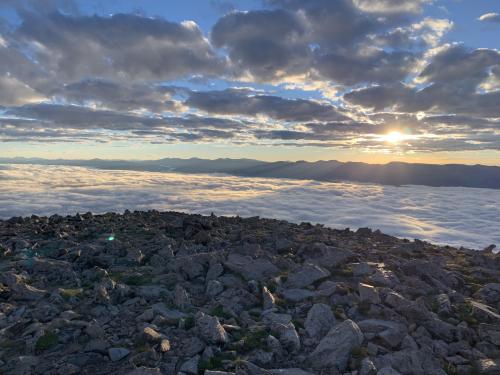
[411, 212]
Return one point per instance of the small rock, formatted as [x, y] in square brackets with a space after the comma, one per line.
[368, 293]
[268, 299]
[115, 354]
[214, 288]
[191, 366]
[148, 334]
[165, 345]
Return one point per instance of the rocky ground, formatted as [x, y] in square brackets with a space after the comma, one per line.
[171, 293]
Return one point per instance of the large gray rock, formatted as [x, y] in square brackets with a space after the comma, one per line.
[326, 256]
[484, 313]
[389, 332]
[20, 289]
[297, 295]
[490, 293]
[319, 320]
[250, 268]
[210, 329]
[191, 365]
[171, 316]
[288, 336]
[384, 277]
[411, 362]
[490, 332]
[214, 287]
[335, 348]
[306, 275]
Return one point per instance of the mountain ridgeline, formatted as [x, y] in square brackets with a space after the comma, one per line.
[394, 173]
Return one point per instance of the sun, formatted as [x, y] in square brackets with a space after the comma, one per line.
[394, 137]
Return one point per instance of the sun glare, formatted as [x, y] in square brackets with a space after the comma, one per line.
[394, 137]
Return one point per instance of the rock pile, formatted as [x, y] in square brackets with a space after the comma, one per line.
[171, 293]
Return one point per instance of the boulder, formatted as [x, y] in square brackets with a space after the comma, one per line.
[210, 329]
[411, 362]
[249, 268]
[490, 293]
[389, 332]
[335, 348]
[319, 320]
[305, 276]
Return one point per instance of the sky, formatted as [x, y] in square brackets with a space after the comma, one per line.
[352, 80]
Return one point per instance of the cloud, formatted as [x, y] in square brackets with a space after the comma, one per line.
[343, 41]
[490, 17]
[451, 80]
[123, 46]
[247, 102]
[391, 6]
[68, 76]
[14, 92]
[409, 211]
[263, 43]
[45, 122]
[223, 6]
[119, 96]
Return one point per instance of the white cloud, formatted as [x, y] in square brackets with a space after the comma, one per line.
[456, 216]
[490, 17]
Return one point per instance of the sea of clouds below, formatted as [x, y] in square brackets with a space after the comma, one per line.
[455, 216]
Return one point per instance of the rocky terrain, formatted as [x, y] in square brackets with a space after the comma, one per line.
[171, 293]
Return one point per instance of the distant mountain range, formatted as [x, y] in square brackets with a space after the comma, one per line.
[394, 173]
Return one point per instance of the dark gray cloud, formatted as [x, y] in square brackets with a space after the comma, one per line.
[264, 42]
[323, 39]
[122, 46]
[452, 82]
[119, 96]
[246, 102]
[85, 118]
[379, 66]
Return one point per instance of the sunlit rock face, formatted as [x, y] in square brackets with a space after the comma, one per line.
[168, 292]
[409, 211]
